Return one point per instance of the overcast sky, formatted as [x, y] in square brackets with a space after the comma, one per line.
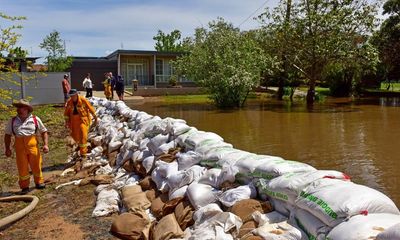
[99, 27]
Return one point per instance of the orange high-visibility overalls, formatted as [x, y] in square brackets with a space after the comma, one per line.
[79, 120]
[28, 154]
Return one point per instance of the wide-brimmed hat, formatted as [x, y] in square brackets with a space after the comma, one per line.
[72, 92]
[23, 103]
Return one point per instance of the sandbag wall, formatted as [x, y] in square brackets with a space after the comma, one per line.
[182, 183]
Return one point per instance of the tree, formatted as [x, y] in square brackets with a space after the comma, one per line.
[57, 60]
[387, 40]
[226, 62]
[168, 42]
[325, 32]
[8, 39]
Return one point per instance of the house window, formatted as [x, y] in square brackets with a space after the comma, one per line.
[159, 67]
[163, 70]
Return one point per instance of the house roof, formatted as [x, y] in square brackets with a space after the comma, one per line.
[143, 53]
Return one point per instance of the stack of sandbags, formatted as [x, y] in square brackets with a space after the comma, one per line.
[201, 183]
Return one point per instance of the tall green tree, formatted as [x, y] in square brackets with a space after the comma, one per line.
[324, 32]
[168, 42]
[226, 62]
[9, 26]
[57, 59]
[387, 40]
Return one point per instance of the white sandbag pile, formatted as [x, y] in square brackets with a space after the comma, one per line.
[196, 186]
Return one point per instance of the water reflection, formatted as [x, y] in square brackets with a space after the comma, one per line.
[358, 137]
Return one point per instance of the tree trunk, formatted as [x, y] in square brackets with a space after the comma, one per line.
[311, 93]
[280, 87]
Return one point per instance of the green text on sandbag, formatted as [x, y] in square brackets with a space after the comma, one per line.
[328, 210]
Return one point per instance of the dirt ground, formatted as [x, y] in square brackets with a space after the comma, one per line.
[60, 214]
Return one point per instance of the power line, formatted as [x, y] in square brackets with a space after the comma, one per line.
[253, 13]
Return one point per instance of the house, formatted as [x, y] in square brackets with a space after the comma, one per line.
[152, 69]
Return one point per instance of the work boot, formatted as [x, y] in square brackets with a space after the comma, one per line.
[25, 190]
[40, 186]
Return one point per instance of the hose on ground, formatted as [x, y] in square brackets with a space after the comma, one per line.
[20, 214]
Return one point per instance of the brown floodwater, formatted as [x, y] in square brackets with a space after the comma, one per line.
[359, 138]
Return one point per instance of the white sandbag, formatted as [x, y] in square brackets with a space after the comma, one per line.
[180, 192]
[118, 137]
[106, 203]
[206, 212]
[201, 195]
[212, 157]
[278, 231]
[161, 173]
[123, 157]
[232, 157]
[231, 196]
[268, 218]
[210, 217]
[278, 167]
[309, 224]
[152, 127]
[362, 227]
[246, 166]
[180, 140]
[208, 233]
[201, 138]
[142, 116]
[163, 149]
[185, 177]
[229, 222]
[333, 201]
[147, 163]
[114, 146]
[188, 159]
[284, 208]
[390, 233]
[288, 186]
[156, 142]
[104, 170]
[128, 145]
[143, 143]
[132, 179]
[205, 148]
[140, 155]
[95, 152]
[211, 177]
[97, 141]
[176, 127]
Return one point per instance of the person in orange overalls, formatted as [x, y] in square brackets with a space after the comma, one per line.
[77, 118]
[24, 127]
[107, 86]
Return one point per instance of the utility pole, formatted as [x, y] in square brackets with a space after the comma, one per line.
[284, 75]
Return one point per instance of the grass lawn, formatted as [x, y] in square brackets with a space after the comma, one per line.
[319, 90]
[395, 87]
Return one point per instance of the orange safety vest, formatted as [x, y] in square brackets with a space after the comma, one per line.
[83, 107]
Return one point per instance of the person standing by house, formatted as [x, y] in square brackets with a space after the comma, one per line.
[25, 127]
[112, 83]
[77, 118]
[88, 85]
[120, 87]
[66, 86]
[107, 86]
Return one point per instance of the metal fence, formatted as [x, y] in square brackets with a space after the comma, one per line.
[39, 88]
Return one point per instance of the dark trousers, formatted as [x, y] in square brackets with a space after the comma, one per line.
[89, 92]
